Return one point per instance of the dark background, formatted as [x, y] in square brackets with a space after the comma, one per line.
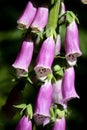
[10, 40]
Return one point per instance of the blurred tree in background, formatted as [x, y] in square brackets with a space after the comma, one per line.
[10, 40]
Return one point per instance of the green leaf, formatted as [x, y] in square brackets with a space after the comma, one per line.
[70, 16]
[56, 68]
[50, 32]
[29, 111]
[29, 80]
[34, 127]
[20, 106]
[60, 72]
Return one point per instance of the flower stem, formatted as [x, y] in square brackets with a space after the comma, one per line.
[53, 18]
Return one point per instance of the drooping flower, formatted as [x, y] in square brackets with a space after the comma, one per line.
[43, 103]
[57, 96]
[58, 45]
[24, 124]
[24, 57]
[60, 124]
[40, 19]
[68, 85]
[45, 58]
[25, 20]
[72, 44]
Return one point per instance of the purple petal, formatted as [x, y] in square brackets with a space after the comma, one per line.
[60, 124]
[27, 16]
[68, 87]
[24, 124]
[24, 56]
[45, 58]
[43, 103]
[57, 96]
[40, 19]
[72, 45]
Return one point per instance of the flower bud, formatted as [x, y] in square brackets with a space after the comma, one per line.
[58, 45]
[24, 124]
[62, 11]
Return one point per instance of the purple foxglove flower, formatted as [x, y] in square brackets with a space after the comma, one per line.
[43, 103]
[27, 16]
[24, 124]
[40, 19]
[45, 58]
[72, 44]
[58, 45]
[57, 96]
[68, 87]
[24, 57]
[60, 124]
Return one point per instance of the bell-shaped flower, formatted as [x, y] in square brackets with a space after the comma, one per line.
[27, 16]
[24, 124]
[45, 58]
[68, 85]
[40, 19]
[24, 56]
[72, 44]
[43, 103]
[60, 124]
[57, 96]
[58, 45]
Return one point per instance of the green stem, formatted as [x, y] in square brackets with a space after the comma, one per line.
[53, 17]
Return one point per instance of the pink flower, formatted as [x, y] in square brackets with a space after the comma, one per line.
[24, 124]
[40, 19]
[60, 124]
[45, 58]
[27, 16]
[24, 56]
[68, 87]
[43, 103]
[57, 96]
[72, 44]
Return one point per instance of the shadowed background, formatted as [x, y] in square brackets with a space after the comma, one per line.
[10, 40]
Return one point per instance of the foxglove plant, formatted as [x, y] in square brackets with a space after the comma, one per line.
[26, 18]
[60, 124]
[24, 57]
[57, 77]
[72, 45]
[40, 19]
[24, 124]
[43, 103]
[68, 85]
[45, 58]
